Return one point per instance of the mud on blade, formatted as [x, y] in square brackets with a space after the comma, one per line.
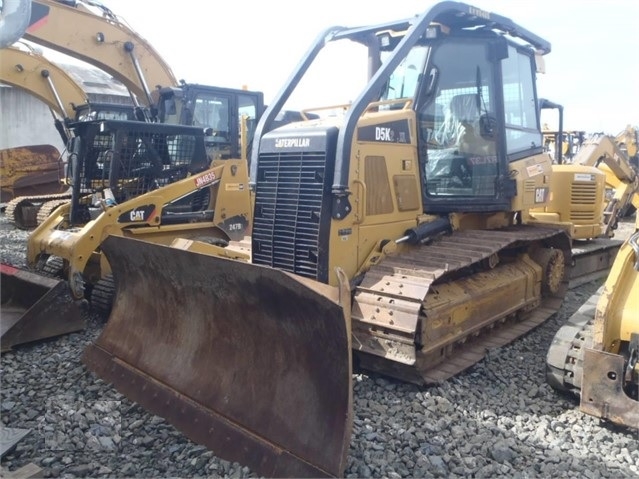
[243, 359]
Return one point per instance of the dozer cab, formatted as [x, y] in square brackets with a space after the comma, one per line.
[394, 232]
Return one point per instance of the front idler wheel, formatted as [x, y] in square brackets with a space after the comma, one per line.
[553, 268]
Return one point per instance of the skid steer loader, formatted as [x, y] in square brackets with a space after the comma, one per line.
[395, 237]
[149, 181]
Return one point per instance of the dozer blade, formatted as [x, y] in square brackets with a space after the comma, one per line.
[35, 307]
[30, 170]
[244, 359]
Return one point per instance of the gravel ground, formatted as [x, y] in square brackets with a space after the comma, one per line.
[499, 419]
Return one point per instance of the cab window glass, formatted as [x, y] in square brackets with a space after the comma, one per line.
[520, 108]
[461, 152]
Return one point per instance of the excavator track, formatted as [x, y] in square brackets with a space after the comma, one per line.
[406, 323]
[23, 210]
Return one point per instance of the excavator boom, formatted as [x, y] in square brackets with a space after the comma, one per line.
[43, 79]
[103, 40]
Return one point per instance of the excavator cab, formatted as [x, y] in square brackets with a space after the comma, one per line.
[218, 111]
[393, 225]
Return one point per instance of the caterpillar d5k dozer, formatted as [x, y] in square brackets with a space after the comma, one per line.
[416, 197]
[35, 307]
[595, 355]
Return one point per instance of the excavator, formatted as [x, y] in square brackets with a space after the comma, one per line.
[591, 225]
[595, 355]
[395, 237]
[627, 141]
[104, 40]
[32, 175]
[622, 179]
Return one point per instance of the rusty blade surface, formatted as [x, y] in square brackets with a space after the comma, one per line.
[35, 307]
[30, 170]
[243, 359]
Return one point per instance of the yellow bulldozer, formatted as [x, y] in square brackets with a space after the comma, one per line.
[396, 237]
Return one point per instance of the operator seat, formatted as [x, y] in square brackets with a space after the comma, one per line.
[466, 118]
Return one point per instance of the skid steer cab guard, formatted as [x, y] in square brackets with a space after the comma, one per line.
[249, 361]
[35, 307]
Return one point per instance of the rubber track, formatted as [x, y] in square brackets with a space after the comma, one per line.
[54, 267]
[102, 295]
[49, 207]
[564, 360]
[409, 276]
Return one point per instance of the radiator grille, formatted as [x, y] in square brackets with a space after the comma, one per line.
[582, 216]
[288, 207]
[583, 194]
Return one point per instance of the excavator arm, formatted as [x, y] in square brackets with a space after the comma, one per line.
[103, 40]
[627, 140]
[36, 75]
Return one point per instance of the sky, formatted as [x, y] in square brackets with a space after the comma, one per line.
[592, 69]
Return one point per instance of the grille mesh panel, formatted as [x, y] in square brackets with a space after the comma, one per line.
[288, 204]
